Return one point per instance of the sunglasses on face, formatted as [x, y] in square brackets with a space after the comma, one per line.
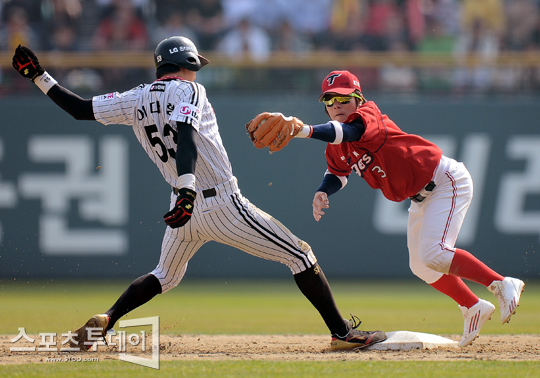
[341, 99]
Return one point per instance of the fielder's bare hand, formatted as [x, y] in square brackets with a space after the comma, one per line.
[320, 201]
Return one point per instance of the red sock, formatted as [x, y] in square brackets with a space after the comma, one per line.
[465, 265]
[456, 289]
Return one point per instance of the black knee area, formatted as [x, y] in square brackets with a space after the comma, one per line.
[149, 283]
[138, 293]
[310, 274]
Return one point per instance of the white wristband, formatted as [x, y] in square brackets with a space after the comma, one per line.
[45, 82]
[339, 132]
[186, 181]
[305, 132]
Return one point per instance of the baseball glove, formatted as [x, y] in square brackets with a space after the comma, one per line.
[273, 130]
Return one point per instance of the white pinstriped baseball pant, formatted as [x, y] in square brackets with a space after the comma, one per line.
[434, 224]
[229, 218]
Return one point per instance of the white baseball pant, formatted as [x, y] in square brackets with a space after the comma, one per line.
[229, 218]
[434, 223]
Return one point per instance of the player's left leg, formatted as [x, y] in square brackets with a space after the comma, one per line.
[433, 228]
[175, 254]
[141, 290]
[475, 311]
[449, 285]
[507, 290]
[455, 197]
[172, 265]
[138, 293]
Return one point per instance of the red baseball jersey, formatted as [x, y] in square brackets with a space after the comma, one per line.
[397, 163]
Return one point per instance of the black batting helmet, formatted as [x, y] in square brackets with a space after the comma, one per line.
[179, 51]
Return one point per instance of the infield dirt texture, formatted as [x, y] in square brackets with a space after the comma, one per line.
[295, 348]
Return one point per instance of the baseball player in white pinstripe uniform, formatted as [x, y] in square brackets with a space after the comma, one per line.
[177, 127]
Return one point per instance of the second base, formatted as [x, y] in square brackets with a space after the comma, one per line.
[405, 340]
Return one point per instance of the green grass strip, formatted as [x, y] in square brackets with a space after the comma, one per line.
[265, 369]
[254, 307]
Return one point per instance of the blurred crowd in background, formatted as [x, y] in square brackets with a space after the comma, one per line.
[258, 28]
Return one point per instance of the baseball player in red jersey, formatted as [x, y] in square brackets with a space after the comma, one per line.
[177, 127]
[405, 166]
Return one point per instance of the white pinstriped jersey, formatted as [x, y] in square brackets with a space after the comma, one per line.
[224, 216]
[151, 109]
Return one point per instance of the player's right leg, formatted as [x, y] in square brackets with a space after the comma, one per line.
[261, 235]
[475, 317]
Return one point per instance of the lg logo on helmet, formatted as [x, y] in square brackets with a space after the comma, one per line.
[181, 48]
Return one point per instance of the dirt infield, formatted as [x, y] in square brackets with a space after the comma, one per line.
[289, 348]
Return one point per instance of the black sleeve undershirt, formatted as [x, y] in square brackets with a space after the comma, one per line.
[186, 149]
[78, 107]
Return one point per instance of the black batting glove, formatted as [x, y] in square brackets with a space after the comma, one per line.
[182, 211]
[26, 63]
